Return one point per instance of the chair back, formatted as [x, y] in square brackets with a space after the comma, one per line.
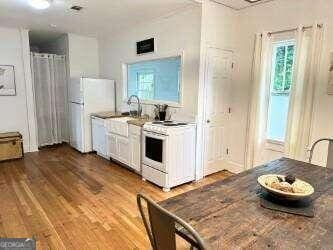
[162, 227]
[329, 162]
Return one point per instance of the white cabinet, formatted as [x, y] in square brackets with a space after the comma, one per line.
[123, 149]
[124, 143]
[135, 144]
[112, 145]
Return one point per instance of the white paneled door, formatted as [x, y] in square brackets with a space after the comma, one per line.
[218, 76]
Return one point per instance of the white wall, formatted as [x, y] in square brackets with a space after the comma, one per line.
[83, 56]
[15, 116]
[219, 26]
[280, 15]
[173, 35]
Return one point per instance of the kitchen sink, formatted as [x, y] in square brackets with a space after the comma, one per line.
[119, 125]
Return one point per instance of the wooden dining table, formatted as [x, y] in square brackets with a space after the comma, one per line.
[228, 215]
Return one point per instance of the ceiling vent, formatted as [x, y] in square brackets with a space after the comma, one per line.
[252, 1]
[76, 8]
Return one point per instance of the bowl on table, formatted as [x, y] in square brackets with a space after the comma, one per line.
[285, 187]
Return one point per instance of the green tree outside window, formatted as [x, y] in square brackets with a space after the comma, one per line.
[284, 60]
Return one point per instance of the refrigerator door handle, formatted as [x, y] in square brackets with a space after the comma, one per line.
[78, 103]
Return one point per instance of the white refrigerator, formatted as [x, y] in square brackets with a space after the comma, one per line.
[87, 96]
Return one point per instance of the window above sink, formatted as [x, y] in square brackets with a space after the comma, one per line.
[155, 81]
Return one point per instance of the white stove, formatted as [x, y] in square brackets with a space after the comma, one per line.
[168, 157]
[165, 127]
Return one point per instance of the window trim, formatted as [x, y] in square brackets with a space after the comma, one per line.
[152, 58]
[273, 144]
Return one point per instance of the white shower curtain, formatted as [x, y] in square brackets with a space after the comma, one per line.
[50, 88]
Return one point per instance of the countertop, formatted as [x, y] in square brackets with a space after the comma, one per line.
[107, 114]
[138, 121]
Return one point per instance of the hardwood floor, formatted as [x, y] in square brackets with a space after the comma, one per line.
[74, 201]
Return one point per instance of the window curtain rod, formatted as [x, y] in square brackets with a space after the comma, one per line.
[294, 29]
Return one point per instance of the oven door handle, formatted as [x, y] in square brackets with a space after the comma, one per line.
[153, 135]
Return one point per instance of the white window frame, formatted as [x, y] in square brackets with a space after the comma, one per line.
[271, 144]
[152, 102]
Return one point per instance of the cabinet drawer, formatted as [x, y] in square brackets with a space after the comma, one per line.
[155, 176]
[133, 129]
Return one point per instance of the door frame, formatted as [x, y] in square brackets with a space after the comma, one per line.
[30, 143]
[201, 118]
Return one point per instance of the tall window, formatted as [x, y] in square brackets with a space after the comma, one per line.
[155, 80]
[281, 83]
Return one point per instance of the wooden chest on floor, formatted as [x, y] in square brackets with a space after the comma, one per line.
[11, 146]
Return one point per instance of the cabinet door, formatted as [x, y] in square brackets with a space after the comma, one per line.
[123, 150]
[135, 152]
[112, 146]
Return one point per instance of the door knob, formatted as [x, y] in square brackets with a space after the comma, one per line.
[208, 121]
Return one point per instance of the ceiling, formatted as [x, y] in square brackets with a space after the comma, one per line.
[98, 17]
[239, 4]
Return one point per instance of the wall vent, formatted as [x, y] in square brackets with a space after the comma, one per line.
[252, 1]
[76, 8]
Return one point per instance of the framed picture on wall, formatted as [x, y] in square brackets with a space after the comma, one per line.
[330, 78]
[7, 80]
[145, 46]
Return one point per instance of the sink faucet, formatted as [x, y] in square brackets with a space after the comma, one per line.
[139, 104]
